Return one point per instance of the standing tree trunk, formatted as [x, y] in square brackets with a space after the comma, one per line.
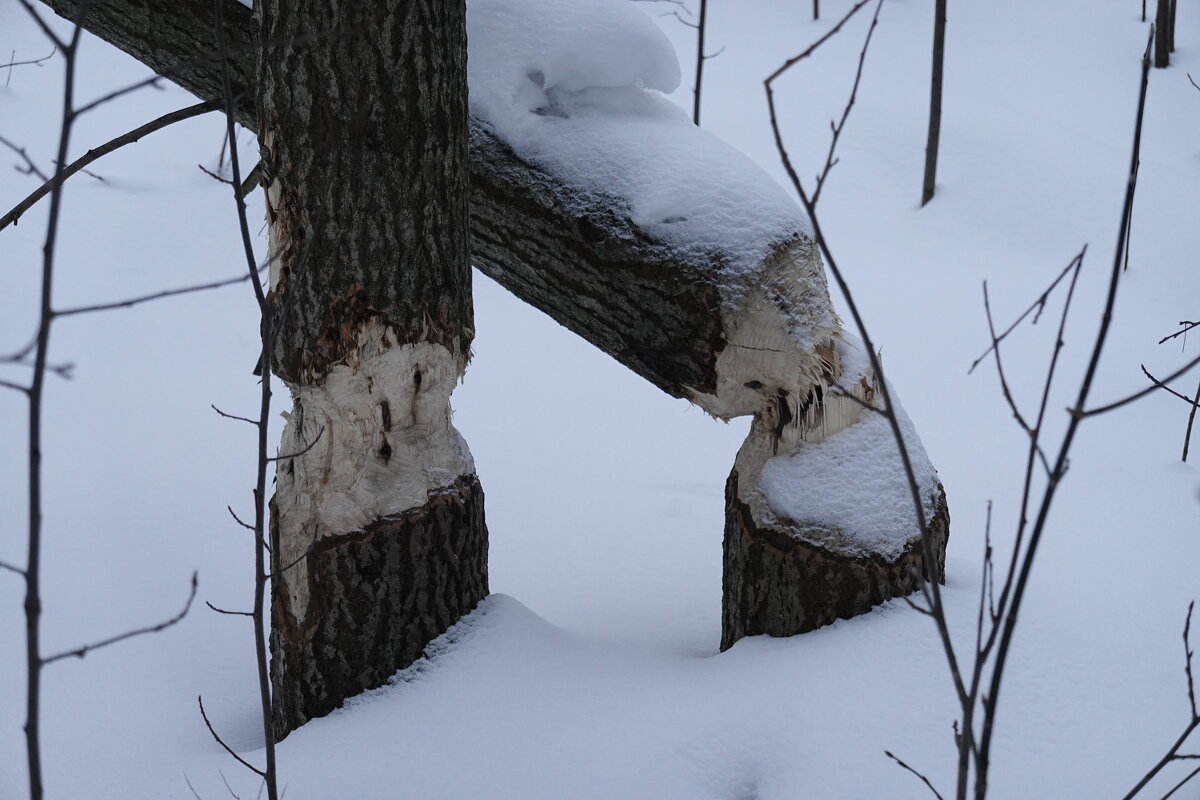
[935, 102]
[1171, 31]
[1162, 34]
[377, 530]
[700, 59]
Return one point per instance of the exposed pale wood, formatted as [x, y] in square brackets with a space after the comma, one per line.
[379, 540]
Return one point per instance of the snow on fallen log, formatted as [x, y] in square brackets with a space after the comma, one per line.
[722, 299]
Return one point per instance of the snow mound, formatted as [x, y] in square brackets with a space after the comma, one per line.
[853, 484]
[575, 88]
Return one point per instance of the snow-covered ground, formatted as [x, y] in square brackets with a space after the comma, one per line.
[594, 672]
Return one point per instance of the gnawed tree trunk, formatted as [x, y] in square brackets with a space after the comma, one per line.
[379, 340]
[819, 523]
[377, 527]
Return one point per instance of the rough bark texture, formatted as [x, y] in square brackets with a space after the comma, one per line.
[780, 585]
[403, 581]
[364, 143]
[600, 277]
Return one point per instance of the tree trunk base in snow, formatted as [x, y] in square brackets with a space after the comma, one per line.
[777, 584]
[378, 597]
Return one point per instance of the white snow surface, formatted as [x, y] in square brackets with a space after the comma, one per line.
[853, 484]
[597, 674]
[576, 88]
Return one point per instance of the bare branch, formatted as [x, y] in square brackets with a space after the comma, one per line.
[253, 422]
[924, 780]
[1077, 414]
[1038, 306]
[12, 63]
[1187, 434]
[147, 298]
[791, 62]
[15, 387]
[231, 613]
[1187, 663]
[80, 652]
[221, 742]
[228, 788]
[308, 447]
[191, 788]
[238, 519]
[46, 30]
[1166, 388]
[917, 608]
[1182, 783]
[995, 349]
[6, 566]
[1185, 326]
[153, 82]
[98, 152]
[30, 167]
[1091, 412]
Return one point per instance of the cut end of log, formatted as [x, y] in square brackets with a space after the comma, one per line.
[779, 334]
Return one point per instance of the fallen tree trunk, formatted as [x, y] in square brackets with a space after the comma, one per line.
[759, 340]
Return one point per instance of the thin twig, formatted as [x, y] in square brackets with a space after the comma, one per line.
[97, 153]
[1182, 783]
[1187, 434]
[1187, 325]
[308, 447]
[191, 788]
[1077, 414]
[1167, 389]
[147, 298]
[253, 422]
[221, 742]
[228, 788]
[1091, 412]
[1037, 306]
[238, 519]
[924, 780]
[6, 566]
[30, 167]
[80, 652]
[231, 613]
[13, 63]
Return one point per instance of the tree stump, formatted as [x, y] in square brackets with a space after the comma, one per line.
[775, 582]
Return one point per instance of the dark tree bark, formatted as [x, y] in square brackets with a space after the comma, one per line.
[776, 583]
[366, 149]
[1171, 31]
[619, 288]
[935, 102]
[1162, 34]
